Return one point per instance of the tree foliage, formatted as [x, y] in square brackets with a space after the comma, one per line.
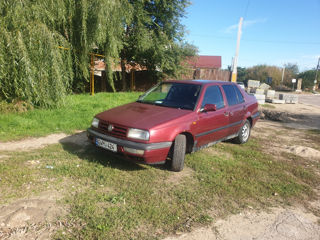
[33, 68]
[262, 72]
[154, 36]
[308, 78]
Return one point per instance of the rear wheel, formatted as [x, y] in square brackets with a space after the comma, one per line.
[244, 133]
[179, 152]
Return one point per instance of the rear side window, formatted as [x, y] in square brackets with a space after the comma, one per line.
[231, 94]
[213, 95]
[239, 95]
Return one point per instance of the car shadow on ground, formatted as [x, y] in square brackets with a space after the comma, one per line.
[79, 145]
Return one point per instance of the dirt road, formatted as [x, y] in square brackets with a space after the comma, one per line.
[310, 99]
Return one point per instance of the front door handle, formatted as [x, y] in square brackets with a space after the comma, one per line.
[226, 114]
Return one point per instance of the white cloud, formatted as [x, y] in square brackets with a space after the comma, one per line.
[246, 23]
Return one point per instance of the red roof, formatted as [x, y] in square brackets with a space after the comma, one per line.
[205, 61]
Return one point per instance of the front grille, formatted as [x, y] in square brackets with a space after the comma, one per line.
[117, 131]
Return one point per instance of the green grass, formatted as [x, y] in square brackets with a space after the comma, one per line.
[75, 115]
[266, 105]
[109, 198]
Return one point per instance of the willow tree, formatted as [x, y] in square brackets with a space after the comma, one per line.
[32, 68]
[45, 45]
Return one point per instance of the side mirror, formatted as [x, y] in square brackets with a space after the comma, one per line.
[209, 108]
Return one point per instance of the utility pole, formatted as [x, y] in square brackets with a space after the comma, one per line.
[315, 80]
[282, 75]
[235, 61]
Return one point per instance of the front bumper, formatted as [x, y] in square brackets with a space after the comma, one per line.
[153, 152]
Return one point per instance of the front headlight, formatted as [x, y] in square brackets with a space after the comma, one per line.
[138, 134]
[95, 122]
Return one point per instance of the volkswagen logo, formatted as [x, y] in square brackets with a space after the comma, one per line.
[110, 128]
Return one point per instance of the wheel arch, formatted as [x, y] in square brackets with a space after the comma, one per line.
[190, 141]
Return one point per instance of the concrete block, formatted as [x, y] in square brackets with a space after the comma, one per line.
[292, 101]
[253, 84]
[270, 94]
[290, 98]
[260, 96]
[261, 101]
[277, 101]
[259, 91]
[265, 86]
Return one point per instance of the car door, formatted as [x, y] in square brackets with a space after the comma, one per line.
[211, 125]
[236, 107]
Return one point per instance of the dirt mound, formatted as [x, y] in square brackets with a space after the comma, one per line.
[280, 116]
[34, 210]
[30, 218]
[305, 152]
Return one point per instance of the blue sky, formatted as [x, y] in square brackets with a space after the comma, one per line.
[275, 32]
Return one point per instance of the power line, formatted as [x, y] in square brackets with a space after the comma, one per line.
[246, 10]
[257, 40]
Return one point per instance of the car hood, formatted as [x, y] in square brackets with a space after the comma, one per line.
[141, 115]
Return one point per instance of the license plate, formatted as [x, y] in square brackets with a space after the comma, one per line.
[106, 145]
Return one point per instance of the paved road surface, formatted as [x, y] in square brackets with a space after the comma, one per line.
[310, 100]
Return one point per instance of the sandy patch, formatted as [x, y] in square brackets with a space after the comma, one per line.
[178, 177]
[30, 218]
[36, 143]
[280, 224]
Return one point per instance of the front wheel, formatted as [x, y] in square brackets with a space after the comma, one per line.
[244, 133]
[179, 152]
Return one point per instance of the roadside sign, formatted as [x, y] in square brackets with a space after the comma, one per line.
[294, 80]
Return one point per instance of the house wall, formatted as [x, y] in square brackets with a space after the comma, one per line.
[208, 74]
[144, 80]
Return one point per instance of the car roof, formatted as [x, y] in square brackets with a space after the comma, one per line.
[199, 81]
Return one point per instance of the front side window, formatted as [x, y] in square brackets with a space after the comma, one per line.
[174, 95]
[213, 95]
[230, 94]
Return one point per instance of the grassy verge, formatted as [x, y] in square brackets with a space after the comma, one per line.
[266, 105]
[109, 198]
[75, 115]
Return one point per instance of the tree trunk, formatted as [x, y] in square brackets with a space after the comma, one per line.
[103, 81]
[123, 75]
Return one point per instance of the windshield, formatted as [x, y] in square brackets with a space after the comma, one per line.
[175, 95]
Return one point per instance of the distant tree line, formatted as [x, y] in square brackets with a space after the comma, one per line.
[262, 72]
[45, 45]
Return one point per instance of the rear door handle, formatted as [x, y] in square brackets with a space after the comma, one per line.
[226, 114]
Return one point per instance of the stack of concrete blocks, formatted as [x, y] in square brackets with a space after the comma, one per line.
[288, 98]
[261, 98]
[263, 94]
[253, 87]
[273, 97]
[270, 96]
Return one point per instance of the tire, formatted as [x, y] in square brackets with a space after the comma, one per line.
[244, 133]
[179, 152]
